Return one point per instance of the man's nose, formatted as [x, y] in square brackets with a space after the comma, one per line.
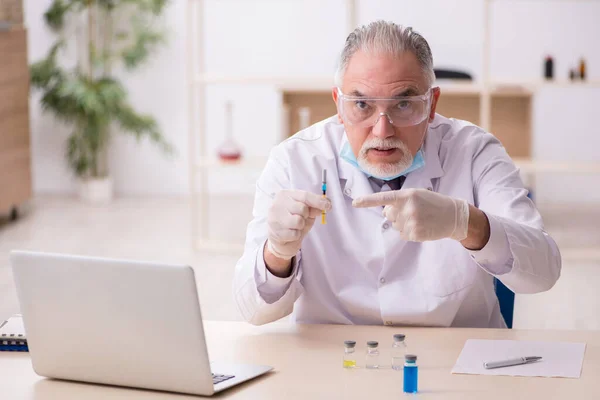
[383, 127]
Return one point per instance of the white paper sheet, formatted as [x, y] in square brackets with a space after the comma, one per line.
[560, 359]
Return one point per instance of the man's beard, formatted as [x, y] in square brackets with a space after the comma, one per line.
[385, 170]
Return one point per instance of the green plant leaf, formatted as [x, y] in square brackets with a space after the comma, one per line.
[77, 155]
[41, 74]
[64, 107]
[111, 93]
[107, 4]
[141, 126]
[121, 35]
[144, 41]
[45, 72]
[55, 15]
[82, 94]
[156, 7]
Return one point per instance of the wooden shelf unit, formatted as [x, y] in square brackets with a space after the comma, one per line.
[15, 158]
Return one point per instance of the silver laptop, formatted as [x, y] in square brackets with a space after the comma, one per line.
[119, 323]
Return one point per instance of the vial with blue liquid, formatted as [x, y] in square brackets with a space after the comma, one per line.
[411, 374]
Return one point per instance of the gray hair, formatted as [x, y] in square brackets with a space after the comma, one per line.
[388, 38]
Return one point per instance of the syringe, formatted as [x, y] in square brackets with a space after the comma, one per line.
[324, 189]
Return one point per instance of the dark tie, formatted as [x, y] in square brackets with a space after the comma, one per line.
[396, 184]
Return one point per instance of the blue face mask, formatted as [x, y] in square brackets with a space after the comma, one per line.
[347, 154]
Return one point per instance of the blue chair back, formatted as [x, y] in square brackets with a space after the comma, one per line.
[506, 298]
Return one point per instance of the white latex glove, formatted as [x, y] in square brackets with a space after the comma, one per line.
[291, 216]
[420, 214]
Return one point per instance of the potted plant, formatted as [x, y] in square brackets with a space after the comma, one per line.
[88, 97]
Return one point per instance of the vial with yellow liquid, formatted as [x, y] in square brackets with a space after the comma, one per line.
[349, 355]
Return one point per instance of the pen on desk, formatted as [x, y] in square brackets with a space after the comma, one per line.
[510, 362]
[324, 189]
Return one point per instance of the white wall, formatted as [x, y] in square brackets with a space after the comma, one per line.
[290, 38]
[452, 28]
[273, 37]
[158, 88]
[565, 131]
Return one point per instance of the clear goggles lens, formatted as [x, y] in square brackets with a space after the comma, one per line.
[400, 111]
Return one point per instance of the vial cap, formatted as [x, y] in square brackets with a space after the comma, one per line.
[399, 337]
[410, 358]
[350, 343]
[372, 343]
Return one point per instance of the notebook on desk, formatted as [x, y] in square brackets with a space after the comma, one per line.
[12, 335]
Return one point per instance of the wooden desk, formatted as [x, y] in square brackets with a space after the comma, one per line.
[307, 361]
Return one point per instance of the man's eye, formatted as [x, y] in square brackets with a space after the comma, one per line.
[361, 105]
[403, 105]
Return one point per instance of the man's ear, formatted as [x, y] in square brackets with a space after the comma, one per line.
[334, 94]
[434, 101]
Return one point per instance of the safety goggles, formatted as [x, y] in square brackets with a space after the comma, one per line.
[400, 111]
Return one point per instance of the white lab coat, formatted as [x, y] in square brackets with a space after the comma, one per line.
[356, 269]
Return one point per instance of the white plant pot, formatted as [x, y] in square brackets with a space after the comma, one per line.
[96, 190]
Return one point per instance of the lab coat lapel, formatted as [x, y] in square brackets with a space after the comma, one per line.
[423, 178]
[355, 183]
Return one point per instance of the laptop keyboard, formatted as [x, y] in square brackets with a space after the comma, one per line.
[218, 378]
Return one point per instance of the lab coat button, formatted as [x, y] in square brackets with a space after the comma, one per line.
[348, 191]
[382, 280]
[386, 225]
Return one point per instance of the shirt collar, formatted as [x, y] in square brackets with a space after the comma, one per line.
[394, 184]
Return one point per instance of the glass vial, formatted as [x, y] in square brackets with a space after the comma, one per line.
[582, 69]
[549, 68]
[398, 351]
[229, 150]
[372, 357]
[411, 374]
[349, 354]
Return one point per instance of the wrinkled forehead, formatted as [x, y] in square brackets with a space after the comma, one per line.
[384, 75]
[399, 92]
